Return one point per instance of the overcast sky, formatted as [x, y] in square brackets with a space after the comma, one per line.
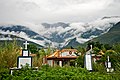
[38, 11]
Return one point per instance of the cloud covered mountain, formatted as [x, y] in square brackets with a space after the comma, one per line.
[60, 34]
[111, 37]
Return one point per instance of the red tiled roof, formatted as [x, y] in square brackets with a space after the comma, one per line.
[64, 50]
[57, 53]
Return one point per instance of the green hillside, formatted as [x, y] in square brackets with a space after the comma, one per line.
[111, 37]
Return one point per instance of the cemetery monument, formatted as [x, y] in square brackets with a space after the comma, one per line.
[24, 59]
[88, 59]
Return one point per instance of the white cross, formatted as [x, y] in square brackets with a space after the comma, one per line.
[26, 44]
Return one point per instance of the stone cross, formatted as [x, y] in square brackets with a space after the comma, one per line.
[26, 43]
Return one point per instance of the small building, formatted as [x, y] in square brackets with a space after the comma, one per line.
[62, 57]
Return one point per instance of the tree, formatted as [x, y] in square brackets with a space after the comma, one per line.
[98, 44]
[33, 48]
[80, 61]
[116, 47]
[8, 54]
[41, 56]
[81, 50]
[96, 50]
[110, 52]
[107, 46]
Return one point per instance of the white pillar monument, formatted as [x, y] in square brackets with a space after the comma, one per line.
[109, 67]
[88, 59]
[60, 63]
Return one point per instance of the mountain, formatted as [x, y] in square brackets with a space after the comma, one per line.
[111, 37]
[9, 32]
[59, 34]
[81, 30]
[10, 38]
[72, 43]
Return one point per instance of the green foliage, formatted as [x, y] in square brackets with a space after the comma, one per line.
[80, 61]
[115, 59]
[33, 48]
[8, 58]
[97, 45]
[81, 50]
[96, 50]
[38, 60]
[8, 54]
[107, 46]
[59, 73]
[4, 73]
[110, 52]
[42, 52]
[116, 47]
[99, 68]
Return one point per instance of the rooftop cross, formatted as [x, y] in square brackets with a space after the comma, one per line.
[26, 43]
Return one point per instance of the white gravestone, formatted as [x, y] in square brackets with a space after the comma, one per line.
[108, 63]
[25, 53]
[25, 58]
[22, 61]
[109, 67]
[88, 60]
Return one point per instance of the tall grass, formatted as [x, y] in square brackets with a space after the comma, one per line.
[8, 54]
